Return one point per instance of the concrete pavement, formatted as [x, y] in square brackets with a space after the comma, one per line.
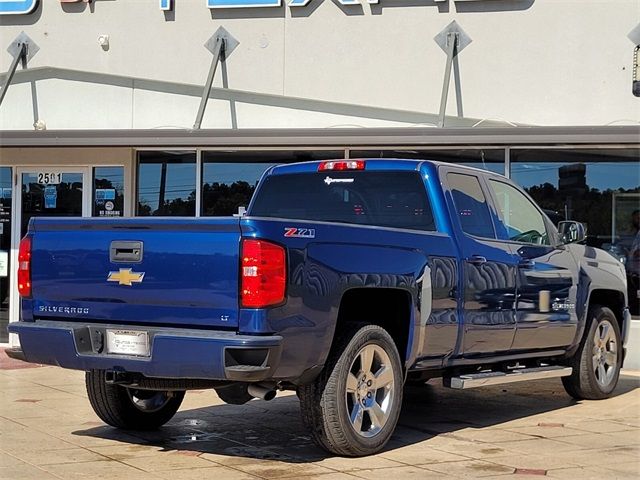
[520, 431]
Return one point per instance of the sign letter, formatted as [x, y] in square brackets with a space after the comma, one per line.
[17, 7]
[243, 3]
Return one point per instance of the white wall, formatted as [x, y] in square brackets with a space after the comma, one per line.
[548, 62]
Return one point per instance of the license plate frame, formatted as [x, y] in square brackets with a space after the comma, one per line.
[133, 343]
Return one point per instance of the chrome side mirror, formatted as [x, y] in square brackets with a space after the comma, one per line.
[571, 231]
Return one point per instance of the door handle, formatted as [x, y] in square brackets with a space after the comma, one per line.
[526, 263]
[125, 252]
[476, 260]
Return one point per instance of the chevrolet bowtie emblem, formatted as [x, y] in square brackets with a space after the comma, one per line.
[125, 277]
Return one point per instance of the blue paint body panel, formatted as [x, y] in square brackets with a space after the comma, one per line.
[189, 297]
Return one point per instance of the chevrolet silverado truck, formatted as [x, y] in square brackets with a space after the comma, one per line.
[345, 280]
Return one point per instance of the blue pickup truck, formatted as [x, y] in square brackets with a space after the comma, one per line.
[345, 280]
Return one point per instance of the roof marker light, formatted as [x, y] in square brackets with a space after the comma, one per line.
[341, 165]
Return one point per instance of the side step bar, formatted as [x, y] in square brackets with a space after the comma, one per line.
[484, 379]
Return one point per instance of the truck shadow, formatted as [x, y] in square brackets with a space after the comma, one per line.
[238, 434]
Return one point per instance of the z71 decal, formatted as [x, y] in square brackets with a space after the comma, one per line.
[300, 232]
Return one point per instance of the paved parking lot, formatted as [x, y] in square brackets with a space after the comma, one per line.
[48, 430]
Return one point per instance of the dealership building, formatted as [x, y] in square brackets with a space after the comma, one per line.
[176, 107]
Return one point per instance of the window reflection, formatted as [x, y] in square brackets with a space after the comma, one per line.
[166, 183]
[5, 247]
[581, 185]
[485, 159]
[230, 178]
[108, 191]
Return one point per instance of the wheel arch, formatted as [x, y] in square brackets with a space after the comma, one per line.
[615, 300]
[389, 308]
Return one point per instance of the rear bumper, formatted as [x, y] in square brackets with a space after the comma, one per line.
[175, 353]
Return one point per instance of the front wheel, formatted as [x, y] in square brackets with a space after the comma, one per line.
[352, 408]
[130, 408]
[596, 363]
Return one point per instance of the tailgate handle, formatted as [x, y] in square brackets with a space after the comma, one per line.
[125, 252]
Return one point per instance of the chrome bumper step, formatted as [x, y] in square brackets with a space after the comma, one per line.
[484, 379]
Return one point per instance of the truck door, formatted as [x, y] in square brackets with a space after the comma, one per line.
[488, 268]
[547, 272]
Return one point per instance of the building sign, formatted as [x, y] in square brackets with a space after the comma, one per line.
[291, 3]
[17, 7]
[22, 7]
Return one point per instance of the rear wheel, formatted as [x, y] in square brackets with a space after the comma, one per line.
[596, 364]
[352, 408]
[130, 408]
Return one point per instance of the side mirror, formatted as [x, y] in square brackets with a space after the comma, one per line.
[571, 232]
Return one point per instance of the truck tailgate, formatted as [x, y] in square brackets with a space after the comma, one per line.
[187, 274]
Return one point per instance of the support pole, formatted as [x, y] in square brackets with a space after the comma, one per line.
[20, 57]
[452, 41]
[218, 53]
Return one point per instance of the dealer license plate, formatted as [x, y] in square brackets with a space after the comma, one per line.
[128, 342]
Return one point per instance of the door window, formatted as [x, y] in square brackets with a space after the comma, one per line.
[471, 205]
[50, 194]
[520, 220]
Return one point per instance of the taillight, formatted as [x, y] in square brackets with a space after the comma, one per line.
[341, 165]
[263, 273]
[24, 267]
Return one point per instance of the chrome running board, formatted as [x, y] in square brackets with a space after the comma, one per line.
[484, 379]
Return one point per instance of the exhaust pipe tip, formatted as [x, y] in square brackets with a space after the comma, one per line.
[261, 392]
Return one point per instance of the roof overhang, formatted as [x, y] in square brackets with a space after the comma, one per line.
[326, 138]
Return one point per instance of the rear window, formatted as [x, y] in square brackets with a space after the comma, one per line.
[385, 199]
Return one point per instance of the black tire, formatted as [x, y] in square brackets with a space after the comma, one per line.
[587, 382]
[325, 405]
[115, 405]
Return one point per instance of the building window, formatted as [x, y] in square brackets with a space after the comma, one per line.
[583, 185]
[485, 159]
[108, 191]
[5, 248]
[230, 178]
[166, 183]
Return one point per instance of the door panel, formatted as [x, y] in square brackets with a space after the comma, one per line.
[488, 269]
[547, 274]
[546, 314]
[489, 296]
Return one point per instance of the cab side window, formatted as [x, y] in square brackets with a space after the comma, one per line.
[471, 205]
[521, 220]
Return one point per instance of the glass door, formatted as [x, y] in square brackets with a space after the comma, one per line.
[47, 192]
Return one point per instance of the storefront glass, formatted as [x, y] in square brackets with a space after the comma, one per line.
[581, 184]
[166, 183]
[5, 248]
[108, 191]
[50, 194]
[230, 178]
[486, 159]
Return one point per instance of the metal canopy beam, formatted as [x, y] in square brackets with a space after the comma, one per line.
[327, 138]
[23, 49]
[452, 39]
[221, 44]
